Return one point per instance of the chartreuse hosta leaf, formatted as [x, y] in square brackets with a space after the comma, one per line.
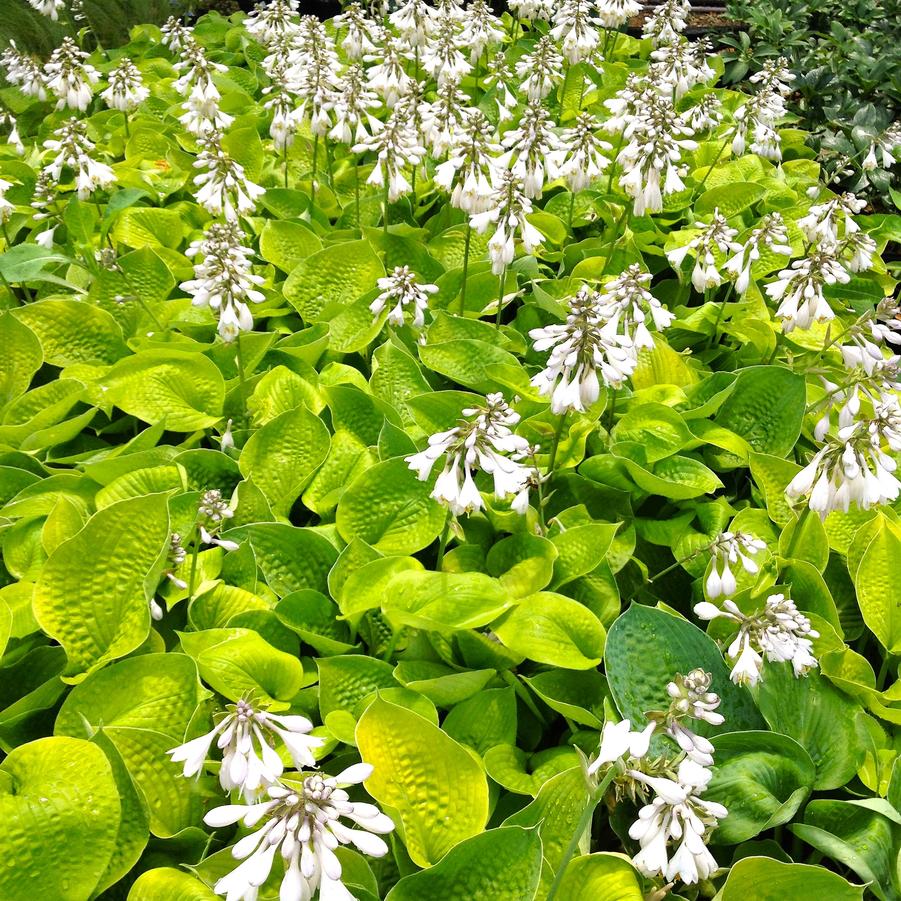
[169, 884]
[22, 359]
[142, 707]
[61, 813]
[92, 593]
[435, 785]
[498, 865]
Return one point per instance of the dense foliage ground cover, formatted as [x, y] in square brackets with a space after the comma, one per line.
[442, 457]
[847, 61]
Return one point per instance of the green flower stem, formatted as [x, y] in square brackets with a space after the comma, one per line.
[385, 204]
[611, 411]
[556, 443]
[357, 188]
[618, 231]
[466, 244]
[127, 130]
[523, 694]
[242, 380]
[619, 146]
[796, 533]
[500, 298]
[194, 553]
[676, 565]
[714, 338]
[583, 826]
[442, 543]
[313, 175]
[716, 159]
[285, 165]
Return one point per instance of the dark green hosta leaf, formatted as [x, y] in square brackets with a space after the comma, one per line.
[762, 778]
[765, 879]
[858, 835]
[646, 647]
[498, 865]
[437, 787]
[390, 509]
[93, 592]
[766, 408]
[822, 719]
[554, 629]
[61, 811]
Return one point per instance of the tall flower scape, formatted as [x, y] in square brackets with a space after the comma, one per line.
[442, 455]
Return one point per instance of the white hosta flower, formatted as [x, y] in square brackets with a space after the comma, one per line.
[800, 289]
[223, 279]
[850, 470]
[402, 293]
[175, 560]
[443, 118]
[442, 56]
[176, 36]
[49, 8]
[246, 736]
[705, 115]
[779, 632]
[857, 250]
[286, 118]
[126, 89]
[827, 222]
[619, 742]
[718, 236]
[388, 77]
[615, 13]
[414, 21]
[691, 698]
[887, 143]
[731, 548]
[314, 78]
[303, 824]
[529, 10]
[650, 159]
[667, 22]
[508, 210]
[500, 77]
[761, 112]
[202, 116]
[484, 441]
[481, 29]
[580, 351]
[541, 70]
[73, 148]
[22, 71]
[353, 101]
[583, 158]
[6, 208]
[397, 146]
[770, 234]
[575, 28]
[678, 816]
[69, 77]
[224, 189]
[678, 67]
[273, 21]
[469, 168]
[360, 35]
[534, 150]
[628, 306]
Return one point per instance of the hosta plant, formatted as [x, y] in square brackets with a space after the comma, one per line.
[441, 456]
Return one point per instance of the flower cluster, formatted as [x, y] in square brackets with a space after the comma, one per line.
[483, 441]
[779, 632]
[400, 293]
[730, 547]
